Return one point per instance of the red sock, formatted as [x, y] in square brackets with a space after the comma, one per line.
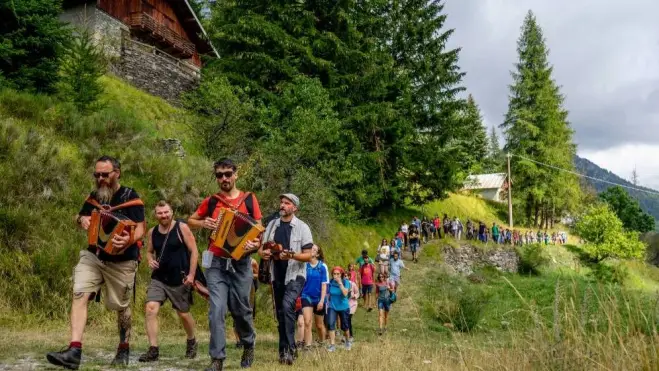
[123, 346]
[75, 344]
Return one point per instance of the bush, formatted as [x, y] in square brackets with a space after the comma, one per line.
[605, 238]
[531, 258]
[456, 303]
[609, 273]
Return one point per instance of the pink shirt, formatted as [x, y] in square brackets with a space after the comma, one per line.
[366, 271]
[354, 295]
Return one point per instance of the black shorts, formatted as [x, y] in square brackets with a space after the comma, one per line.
[307, 304]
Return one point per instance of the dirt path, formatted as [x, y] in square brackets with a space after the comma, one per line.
[408, 344]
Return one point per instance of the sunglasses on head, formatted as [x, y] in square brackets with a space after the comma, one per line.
[104, 175]
[225, 174]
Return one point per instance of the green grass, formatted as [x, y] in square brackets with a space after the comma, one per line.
[46, 152]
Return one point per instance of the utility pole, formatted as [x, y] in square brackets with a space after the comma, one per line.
[510, 194]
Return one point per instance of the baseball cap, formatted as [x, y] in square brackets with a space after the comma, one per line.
[293, 198]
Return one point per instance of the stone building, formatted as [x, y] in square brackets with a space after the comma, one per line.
[156, 45]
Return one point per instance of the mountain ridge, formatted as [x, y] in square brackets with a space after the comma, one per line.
[649, 202]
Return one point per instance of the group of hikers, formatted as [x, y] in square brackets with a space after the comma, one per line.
[453, 227]
[305, 293]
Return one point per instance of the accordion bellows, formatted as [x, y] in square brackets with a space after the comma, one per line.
[233, 231]
[104, 225]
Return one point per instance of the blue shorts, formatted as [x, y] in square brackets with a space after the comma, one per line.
[384, 305]
[345, 319]
[313, 303]
[414, 246]
[367, 289]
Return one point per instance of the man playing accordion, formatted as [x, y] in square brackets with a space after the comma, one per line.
[229, 280]
[110, 259]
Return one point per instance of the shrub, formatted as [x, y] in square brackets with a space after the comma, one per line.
[603, 233]
[456, 302]
[531, 258]
[609, 273]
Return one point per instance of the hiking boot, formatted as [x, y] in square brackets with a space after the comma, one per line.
[67, 358]
[247, 358]
[151, 355]
[216, 365]
[122, 357]
[191, 349]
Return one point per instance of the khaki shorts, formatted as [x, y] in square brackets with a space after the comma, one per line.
[180, 295]
[91, 273]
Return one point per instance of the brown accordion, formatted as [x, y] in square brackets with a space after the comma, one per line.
[233, 231]
[105, 223]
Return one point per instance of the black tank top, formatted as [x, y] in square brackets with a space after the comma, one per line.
[174, 262]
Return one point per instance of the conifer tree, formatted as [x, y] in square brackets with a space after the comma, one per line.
[415, 34]
[398, 110]
[495, 157]
[30, 39]
[536, 128]
[472, 138]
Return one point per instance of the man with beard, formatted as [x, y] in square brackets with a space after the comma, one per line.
[229, 281]
[288, 271]
[172, 256]
[96, 267]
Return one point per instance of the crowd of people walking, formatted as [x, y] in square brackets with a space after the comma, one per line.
[479, 230]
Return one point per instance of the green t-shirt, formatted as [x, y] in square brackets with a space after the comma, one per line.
[360, 261]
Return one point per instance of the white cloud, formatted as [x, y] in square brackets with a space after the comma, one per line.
[622, 160]
[604, 54]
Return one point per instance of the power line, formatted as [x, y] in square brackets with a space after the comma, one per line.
[586, 176]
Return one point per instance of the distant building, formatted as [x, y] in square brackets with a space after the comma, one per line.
[489, 186]
[156, 45]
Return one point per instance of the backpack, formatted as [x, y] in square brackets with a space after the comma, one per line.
[248, 199]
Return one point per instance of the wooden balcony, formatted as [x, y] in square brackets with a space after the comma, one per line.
[170, 41]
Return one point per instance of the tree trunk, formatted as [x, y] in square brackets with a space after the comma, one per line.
[536, 210]
[552, 216]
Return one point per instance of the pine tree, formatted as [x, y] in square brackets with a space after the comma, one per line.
[495, 157]
[31, 35]
[472, 138]
[536, 128]
[83, 63]
[415, 34]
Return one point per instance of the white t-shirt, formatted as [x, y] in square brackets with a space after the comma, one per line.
[403, 228]
[385, 251]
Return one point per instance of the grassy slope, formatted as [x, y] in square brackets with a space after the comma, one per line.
[415, 328]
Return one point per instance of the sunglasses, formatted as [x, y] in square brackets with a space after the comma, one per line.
[227, 174]
[104, 175]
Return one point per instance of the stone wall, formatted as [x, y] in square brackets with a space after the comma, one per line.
[107, 30]
[109, 33]
[148, 69]
[465, 258]
[142, 65]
